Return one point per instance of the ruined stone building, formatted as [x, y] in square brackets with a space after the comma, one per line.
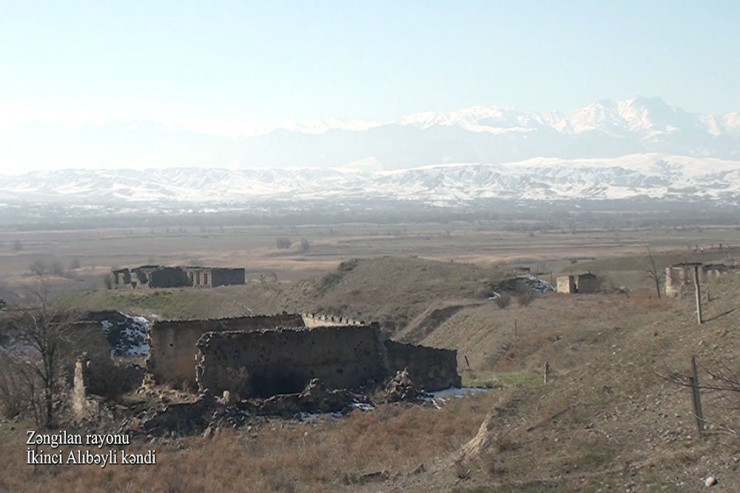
[679, 278]
[274, 354]
[172, 342]
[581, 283]
[157, 276]
[268, 362]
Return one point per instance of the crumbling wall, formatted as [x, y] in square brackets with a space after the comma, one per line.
[264, 363]
[430, 368]
[172, 343]
[84, 407]
[582, 283]
[566, 284]
[168, 277]
[679, 278]
[121, 278]
[588, 283]
[227, 277]
[157, 276]
[323, 320]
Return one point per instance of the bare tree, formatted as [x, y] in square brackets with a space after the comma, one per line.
[45, 331]
[652, 271]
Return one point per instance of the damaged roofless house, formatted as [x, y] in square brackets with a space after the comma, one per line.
[268, 362]
[158, 276]
[261, 356]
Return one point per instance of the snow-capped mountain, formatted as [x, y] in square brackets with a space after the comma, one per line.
[608, 150]
[640, 175]
[481, 134]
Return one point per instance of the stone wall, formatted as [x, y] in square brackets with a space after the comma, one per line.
[679, 278]
[430, 368]
[226, 277]
[168, 277]
[157, 276]
[83, 406]
[588, 283]
[323, 320]
[582, 283]
[265, 363]
[172, 343]
[566, 284]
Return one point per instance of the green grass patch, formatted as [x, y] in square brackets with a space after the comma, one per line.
[490, 379]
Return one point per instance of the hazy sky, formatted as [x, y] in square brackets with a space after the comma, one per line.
[228, 65]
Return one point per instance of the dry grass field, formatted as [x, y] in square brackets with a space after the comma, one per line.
[609, 418]
[86, 256]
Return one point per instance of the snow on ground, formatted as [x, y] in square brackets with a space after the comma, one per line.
[127, 335]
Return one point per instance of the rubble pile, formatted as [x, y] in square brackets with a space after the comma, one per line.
[401, 389]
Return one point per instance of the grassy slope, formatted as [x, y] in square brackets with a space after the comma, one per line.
[622, 424]
[391, 290]
[226, 301]
[606, 420]
[387, 289]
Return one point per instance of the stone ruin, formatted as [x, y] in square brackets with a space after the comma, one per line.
[320, 319]
[679, 278]
[581, 283]
[268, 362]
[158, 276]
[172, 342]
[265, 355]
[272, 365]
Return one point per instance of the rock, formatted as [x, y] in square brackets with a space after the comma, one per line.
[228, 398]
[208, 434]
[710, 481]
[181, 417]
[315, 398]
[401, 388]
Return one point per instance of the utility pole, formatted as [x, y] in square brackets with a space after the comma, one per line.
[698, 295]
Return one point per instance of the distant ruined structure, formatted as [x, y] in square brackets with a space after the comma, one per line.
[157, 276]
[582, 283]
[679, 278]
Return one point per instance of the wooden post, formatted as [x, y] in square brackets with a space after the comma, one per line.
[698, 295]
[698, 413]
[467, 362]
[515, 335]
[547, 371]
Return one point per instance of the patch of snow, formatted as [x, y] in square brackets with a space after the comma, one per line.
[128, 335]
[536, 283]
[458, 392]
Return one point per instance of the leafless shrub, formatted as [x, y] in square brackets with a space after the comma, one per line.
[653, 271]
[45, 331]
[503, 300]
[524, 295]
[12, 398]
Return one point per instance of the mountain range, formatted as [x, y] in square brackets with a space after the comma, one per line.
[640, 147]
